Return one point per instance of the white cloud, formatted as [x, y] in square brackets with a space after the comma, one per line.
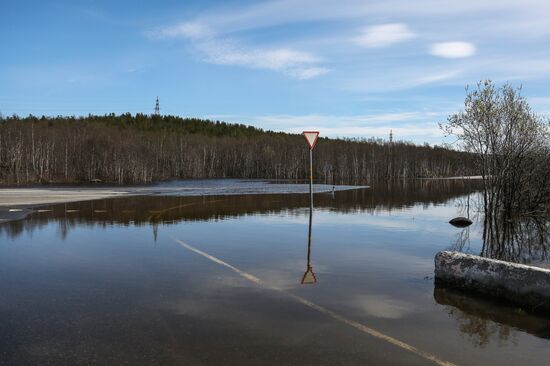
[384, 76]
[435, 77]
[515, 38]
[540, 101]
[309, 72]
[410, 126]
[385, 35]
[541, 105]
[453, 49]
[190, 30]
[409, 132]
[512, 14]
[297, 64]
[354, 120]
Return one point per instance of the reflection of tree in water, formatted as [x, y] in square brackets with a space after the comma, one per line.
[462, 241]
[518, 239]
[63, 229]
[480, 331]
[522, 240]
[467, 206]
[157, 211]
[482, 321]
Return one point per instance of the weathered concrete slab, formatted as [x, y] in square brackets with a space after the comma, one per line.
[520, 284]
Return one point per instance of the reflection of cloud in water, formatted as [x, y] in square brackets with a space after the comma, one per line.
[385, 257]
[189, 307]
[382, 306]
[223, 280]
[280, 278]
[287, 274]
[332, 218]
[433, 218]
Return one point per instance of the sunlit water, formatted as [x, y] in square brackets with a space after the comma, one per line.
[106, 282]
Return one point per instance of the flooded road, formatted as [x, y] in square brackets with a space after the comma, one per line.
[209, 280]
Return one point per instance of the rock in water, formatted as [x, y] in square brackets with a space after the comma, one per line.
[460, 221]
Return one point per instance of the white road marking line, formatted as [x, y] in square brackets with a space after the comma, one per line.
[361, 327]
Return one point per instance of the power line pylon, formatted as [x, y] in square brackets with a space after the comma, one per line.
[157, 107]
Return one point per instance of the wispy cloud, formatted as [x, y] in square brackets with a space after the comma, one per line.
[434, 77]
[308, 72]
[190, 30]
[541, 104]
[297, 64]
[512, 13]
[214, 49]
[221, 36]
[384, 35]
[453, 49]
[409, 126]
[390, 78]
[426, 48]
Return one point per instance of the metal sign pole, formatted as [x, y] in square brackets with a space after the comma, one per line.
[311, 178]
[310, 204]
[311, 138]
[309, 276]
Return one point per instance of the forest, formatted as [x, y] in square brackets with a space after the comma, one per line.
[140, 148]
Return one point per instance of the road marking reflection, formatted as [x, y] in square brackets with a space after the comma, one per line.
[352, 323]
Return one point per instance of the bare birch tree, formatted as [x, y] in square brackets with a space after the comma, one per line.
[510, 145]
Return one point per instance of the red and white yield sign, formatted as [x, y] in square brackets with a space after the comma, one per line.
[311, 138]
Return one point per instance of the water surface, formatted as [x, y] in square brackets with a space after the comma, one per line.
[106, 282]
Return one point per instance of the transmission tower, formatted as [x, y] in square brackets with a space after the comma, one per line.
[157, 107]
[390, 164]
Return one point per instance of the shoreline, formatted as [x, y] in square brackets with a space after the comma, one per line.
[17, 203]
[464, 177]
[25, 197]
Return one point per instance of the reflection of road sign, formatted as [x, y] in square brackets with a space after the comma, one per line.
[309, 277]
[311, 137]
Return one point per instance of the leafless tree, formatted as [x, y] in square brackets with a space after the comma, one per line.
[510, 144]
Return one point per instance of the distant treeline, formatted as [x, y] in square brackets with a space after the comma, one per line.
[126, 149]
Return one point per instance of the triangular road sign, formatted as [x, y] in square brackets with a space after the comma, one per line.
[311, 138]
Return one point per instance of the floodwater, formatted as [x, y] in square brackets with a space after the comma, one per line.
[214, 279]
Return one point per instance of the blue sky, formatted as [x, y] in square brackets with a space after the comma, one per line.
[353, 68]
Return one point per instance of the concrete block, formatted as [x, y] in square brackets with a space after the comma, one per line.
[523, 285]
